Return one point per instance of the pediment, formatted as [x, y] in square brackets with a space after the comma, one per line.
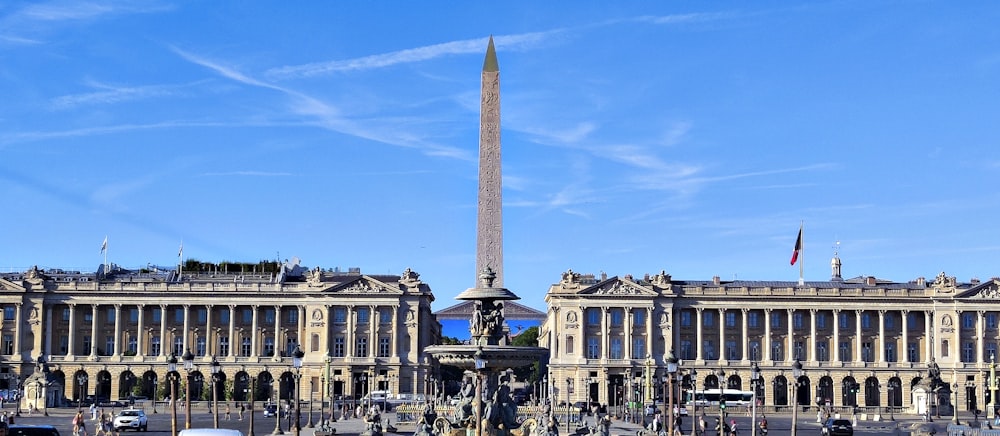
[7, 285]
[364, 285]
[619, 287]
[984, 291]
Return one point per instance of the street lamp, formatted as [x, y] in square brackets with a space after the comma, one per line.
[568, 381]
[173, 377]
[154, 395]
[297, 364]
[253, 388]
[796, 373]
[188, 359]
[215, 367]
[309, 423]
[694, 401]
[954, 403]
[277, 406]
[754, 382]
[722, 399]
[892, 401]
[671, 371]
[82, 380]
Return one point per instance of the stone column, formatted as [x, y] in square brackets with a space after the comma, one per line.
[928, 337]
[605, 326]
[881, 336]
[255, 331]
[233, 342]
[140, 333]
[185, 344]
[71, 348]
[746, 334]
[649, 330]
[118, 331]
[857, 335]
[163, 331]
[790, 354]
[211, 343]
[394, 334]
[627, 328]
[767, 336]
[93, 331]
[812, 336]
[17, 331]
[349, 339]
[374, 320]
[722, 334]
[980, 332]
[903, 315]
[836, 336]
[698, 354]
[48, 330]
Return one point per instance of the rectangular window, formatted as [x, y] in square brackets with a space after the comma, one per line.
[110, 316]
[339, 315]
[86, 344]
[911, 320]
[866, 352]
[730, 318]
[968, 352]
[361, 346]
[775, 320]
[776, 353]
[845, 351]
[157, 315]
[639, 318]
[269, 316]
[570, 345]
[866, 321]
[593, 348]
[687, 352]
[914, 356]
[224, 316]
[224, 345]
[991, 320]
[385, 316]
[797, 319]
[685, 318]
[132, 346]
[842, 320]
[179, 346]
[64, 344]
[638, 348]
[821, 353]
[179, 316]
[109, 345]
[968, 320]
[245, 347]
[202, 314]
[8, 313]
[709, 350]
[753, 319]
[65, 314]
[268, 346]
[154, 346]
[616, 348]
[8, 344]
[293, 316]
[820, 320]
[363, 315]
[133, 315]
[338, 346]
[707, 319]
[890, 321]
[247, 316]
[800, 351]
[890, 352]
[593, 317]
[617, 316]
[732, 352]
[383, 346]
[755, 350]
[199, 345]
[88, 316]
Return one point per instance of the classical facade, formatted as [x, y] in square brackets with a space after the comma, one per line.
[862, 342]
[111, 336]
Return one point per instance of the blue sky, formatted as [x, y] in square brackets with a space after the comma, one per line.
[637, 136]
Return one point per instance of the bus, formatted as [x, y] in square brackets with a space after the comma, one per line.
[710, 397]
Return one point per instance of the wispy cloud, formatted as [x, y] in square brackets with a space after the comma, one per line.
[23, 137]
[507, 42]
[39, 17]
[698, 17]
[109, 94]
[248, 174]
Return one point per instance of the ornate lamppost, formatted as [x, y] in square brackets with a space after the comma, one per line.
[215, 367]
[297, 365]
[796, 373]
[671, 372]
[253, 389]
[173, 377]
[277, 406]
[309, 418]
[722, 401]
[82, 380]
[954, 403]
[568, 381]
[754, 383]
[155, 383]
[892, 400]
[694, 401]
[188, 359]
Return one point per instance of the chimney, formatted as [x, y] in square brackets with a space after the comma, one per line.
[716, 280]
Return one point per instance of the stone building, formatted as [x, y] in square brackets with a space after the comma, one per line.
[862, 342]
[110, 335]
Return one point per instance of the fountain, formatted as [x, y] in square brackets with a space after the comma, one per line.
[485, 402]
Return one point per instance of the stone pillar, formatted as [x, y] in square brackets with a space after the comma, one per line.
[903, 321]
[349, 339]
[17, 331]
[812, 336]
[163, 332]
[211, 347]
[185, 344]
[745, 331]
[93, 331]
[928, 337]
[790, 353]
[698, 355]
[836, 337]
[255, 330]
[722, 334]
[649, 330]
[71, 348]
[233, 342]
[767, 336]
[394, 334]
[980, 332]
[118, 331]
[881, 336]
[140, 332]
[857, 335]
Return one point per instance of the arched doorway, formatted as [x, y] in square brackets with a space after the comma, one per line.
[803, 393]
[872, 392]
[102, 389]
[265, 387]
[127, 384]
[849, 396]
[780, 391]
[241, 386]
[734, 382]
[824, 391]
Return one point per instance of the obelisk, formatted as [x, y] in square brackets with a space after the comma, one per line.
[489, 229]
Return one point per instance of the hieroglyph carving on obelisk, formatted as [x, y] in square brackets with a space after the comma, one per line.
[489, 229]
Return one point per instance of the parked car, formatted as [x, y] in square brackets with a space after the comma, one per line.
[130, 419]
[837, 427]
[272, 409]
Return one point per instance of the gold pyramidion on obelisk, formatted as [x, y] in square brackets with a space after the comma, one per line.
[489, 229]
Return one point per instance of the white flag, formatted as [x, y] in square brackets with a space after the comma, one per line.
[180, 253]
[104, 245]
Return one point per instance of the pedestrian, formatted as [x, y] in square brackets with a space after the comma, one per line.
[678, 425]
[242, 409]
[93, 411]
[732, 428]
[228, 412]
[80, 425]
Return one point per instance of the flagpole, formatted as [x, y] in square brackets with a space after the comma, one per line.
[802, 280]
[180, 263]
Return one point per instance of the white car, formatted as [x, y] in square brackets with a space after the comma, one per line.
[130, 419]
